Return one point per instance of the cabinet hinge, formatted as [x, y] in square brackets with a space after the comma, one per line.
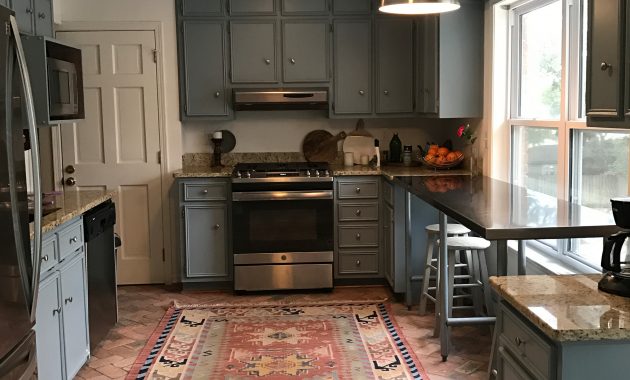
[155, 55]
[7, 28]
[163, 255]
[159, 157]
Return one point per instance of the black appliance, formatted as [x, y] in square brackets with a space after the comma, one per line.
[282, 226]
[19, 256]
[101, 247]
[617, 278]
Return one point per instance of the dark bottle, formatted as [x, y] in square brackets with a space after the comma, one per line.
[395, 149]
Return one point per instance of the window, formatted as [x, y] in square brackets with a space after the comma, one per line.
[551, 150]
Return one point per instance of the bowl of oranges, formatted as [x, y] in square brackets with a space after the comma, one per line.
[441, 157]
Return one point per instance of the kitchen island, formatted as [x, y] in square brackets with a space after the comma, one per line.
[559, 327]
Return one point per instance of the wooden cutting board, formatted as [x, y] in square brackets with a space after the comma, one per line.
[321, 146]
[359, 145]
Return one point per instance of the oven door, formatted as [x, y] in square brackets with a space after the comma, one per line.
[268, 222]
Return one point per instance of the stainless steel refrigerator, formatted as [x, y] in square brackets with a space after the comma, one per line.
[19, 256]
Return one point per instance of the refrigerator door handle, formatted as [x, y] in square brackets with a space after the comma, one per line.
[37, 188]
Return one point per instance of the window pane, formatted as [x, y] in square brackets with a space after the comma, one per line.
[535, 158]
[541, 62]
[599, 172]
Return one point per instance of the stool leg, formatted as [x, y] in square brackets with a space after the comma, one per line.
[486, 283]
[451, 280]
[427, 275]
[476, 279]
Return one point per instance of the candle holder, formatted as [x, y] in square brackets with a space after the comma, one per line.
[216, 155]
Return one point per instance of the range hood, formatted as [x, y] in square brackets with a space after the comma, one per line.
[281, 99]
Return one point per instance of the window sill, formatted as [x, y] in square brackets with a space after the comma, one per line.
[539, 262]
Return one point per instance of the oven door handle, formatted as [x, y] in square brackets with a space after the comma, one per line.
[254, 196]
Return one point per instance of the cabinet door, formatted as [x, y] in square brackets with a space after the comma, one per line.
[75, 317]
[24, 14]
[306, 57]
[305, 7]
[5, 3]
[352, 67]
[352, 7]
[200, 8]
[394, 66]
[427, 58]
[604, 86]
[48, 328]
[43, 18]
[205, 239]
[388, 244]
[627, 62]
[252, 7]
[254, 54]
[204, 70]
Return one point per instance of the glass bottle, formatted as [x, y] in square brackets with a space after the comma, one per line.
[395, 149]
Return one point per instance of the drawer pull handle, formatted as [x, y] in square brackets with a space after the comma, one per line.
[358, 212]
[357, 190]
[518, 341]
[74, 240]
[358, 236]
[358, 263]
[56, 311]
[216, 226]
[45, 258]
[68, 300]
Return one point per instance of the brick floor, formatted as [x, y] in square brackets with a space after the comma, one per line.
[142, 307]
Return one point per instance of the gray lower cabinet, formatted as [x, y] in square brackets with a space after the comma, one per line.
[357, 228]
[62, 330]
[202, 69]
[388, 247]
[252, 7]
[352, 55]
[205, 230]
[33, 16]
[606, 83]
[449, 53]
[305, 7]
[394, 66]
[201, 8]
[306, 51]
[254, 53]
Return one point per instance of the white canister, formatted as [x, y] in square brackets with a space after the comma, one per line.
[348, 159]
[365, 159]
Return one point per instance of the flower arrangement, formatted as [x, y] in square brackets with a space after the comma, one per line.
[464, 131]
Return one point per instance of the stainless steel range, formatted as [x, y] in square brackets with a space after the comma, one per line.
[282, 226]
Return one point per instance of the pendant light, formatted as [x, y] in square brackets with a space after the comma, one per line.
[418, 7]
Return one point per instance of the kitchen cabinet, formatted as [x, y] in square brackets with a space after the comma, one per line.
[388, 246]
[449, 56]
[62, 330]
[394, 66]
[306, 50]
[252, 8]
[607, 88]
[254, 53]
[34, 16]
[5, 3]
[352, 7]
[352, 54]
[305, 7]
[201, 8]
[203, 85]
[205, 231]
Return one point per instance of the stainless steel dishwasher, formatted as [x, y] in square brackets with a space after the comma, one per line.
[101, 245]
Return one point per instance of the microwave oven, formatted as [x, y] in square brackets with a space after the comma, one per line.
[56, 75]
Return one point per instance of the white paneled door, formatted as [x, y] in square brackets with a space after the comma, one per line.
[117, 146]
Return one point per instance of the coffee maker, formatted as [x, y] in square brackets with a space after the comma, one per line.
[617, 278]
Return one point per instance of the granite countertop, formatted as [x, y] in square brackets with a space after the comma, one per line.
[72, 204]
[204, 171]
[567, 308]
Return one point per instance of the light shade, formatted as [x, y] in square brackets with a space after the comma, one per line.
[418, 7]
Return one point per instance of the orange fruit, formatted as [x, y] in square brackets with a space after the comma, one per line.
[452, 156]
[429, 157]
[443, 151]
[458, 153]
[434, 146]
[433, 151]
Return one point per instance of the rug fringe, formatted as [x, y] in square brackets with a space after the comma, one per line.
[178, 305]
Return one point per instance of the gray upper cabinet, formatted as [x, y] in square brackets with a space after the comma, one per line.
[628, 62]
[252, 7]
[4, 3]
[352, 7]
[203, 75]
[605, 60]
[305, 7]
[254, 55]
[24, 13]
[205, 240]
[306, 51]
[201, 8]
[352, 54]
[43, 17]
[394, 65]
[450, 62]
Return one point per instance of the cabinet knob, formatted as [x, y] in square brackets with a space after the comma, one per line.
[56, 311]
[41, 15]
[292, 61]
[386, 92]
[268, 61]
[358, 263]
[74, 240]
[357, 190]
[358, 236]
[29, 11]
[361, 92]
[495, 373]
[205, 191]
[45, 258]
[216, 226]
[605, 66]
[518, 341]
[357, 213]
[68, 300]
[217, 94]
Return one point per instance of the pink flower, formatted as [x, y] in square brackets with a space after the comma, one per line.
[460, 131]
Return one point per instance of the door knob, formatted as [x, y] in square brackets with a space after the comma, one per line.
[71, 181]
[70, 169]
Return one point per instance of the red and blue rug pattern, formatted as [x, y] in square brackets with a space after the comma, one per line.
[317, 342]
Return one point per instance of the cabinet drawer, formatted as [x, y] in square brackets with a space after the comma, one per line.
[526, 345]
[50, 255]
[252, 8]
[70, 239]
[304, 7]
[357, 190]
[388, 192]
[358, 236]
[353, 263]
[351, 212]
[351, 7]
[509, 368]
[205, 191]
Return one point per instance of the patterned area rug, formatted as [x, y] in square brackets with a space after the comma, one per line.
[318, 342]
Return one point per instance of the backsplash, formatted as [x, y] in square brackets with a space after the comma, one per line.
[231, 159]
